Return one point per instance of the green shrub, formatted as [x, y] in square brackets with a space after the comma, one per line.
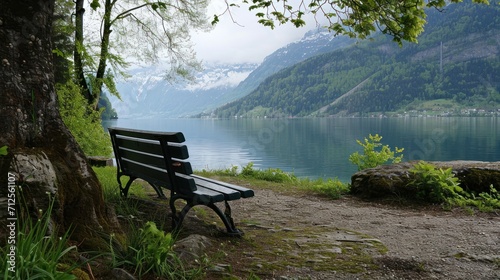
[374, 153]
[441, 186]
[83, 122]
[435, 185]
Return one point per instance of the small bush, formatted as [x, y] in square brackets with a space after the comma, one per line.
[441, 186]
[374, 153]
[435, 185]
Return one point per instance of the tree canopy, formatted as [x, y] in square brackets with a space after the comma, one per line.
[403, 20]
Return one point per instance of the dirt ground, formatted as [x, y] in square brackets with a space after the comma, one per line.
[297, 236]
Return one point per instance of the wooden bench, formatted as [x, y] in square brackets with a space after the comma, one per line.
[160, 159]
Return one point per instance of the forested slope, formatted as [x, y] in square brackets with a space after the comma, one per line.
[456, 60]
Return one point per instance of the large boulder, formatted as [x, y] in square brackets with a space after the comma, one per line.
[390, 180]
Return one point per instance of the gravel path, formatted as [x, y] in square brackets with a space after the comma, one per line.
[422, 244]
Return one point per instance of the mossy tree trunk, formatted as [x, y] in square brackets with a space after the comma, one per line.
[42, 152]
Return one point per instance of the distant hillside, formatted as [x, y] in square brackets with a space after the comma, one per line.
[455, 64]
[314, 42]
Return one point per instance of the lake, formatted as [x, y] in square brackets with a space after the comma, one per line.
[320, 147]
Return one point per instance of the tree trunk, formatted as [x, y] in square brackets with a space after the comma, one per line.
[77, 53]
[101, 68]
[43, 155]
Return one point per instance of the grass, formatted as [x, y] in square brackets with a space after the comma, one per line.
[39, 253]
[149, 251]
[107, 177]
[279, 180]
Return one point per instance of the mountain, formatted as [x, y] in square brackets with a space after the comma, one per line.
[456, 64]
[314, 42]
[146, 93]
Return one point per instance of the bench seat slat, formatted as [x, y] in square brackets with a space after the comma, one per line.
[229, 194]
[157, 176]
[244, 192]
[207, 195]
[158, 161]
[138, 156]
[178, 151]
[176, 137]
[140, 145]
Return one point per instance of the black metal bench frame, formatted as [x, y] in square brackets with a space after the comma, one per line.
[159, 158]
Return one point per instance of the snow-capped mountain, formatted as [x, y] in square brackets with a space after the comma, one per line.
[147, 94]
[314, 42]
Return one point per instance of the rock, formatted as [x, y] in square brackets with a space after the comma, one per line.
[100, 161]
[121, 274]
[390, 180]
[192, 247]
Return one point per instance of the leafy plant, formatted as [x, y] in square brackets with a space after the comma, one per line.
[3, 151]
[484, 202]
[439, 185]
[150, 250]
[435, 185]
[40, 252]
[374, 153]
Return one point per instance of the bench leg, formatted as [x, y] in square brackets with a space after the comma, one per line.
[227, 219]
[124, 191]
[158, 191]
[224, 216]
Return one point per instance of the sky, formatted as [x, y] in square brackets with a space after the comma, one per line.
[244, 41]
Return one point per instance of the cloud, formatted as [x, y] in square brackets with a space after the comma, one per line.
[243, 41]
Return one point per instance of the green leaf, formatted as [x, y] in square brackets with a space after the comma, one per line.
[215, 20]
[3, 151]
[95, 4]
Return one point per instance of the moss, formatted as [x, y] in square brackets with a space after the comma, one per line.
[275, 250]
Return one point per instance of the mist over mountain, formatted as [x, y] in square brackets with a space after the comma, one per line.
[147, 94]
[454, 66]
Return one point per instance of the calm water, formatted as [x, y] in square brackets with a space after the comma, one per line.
[321, 147]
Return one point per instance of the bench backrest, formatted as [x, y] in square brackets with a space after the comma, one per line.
[157, 157]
